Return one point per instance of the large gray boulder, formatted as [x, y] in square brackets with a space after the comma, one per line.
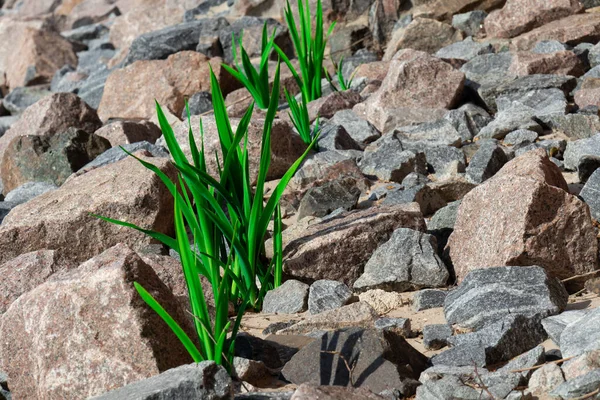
[581, 335]
[488, 295]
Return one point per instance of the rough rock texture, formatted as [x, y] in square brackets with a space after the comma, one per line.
[48, 158]
[130, 92]
[289, 298]
[309, 392]
[286, 146]
[205, 380]
[387, 160]
[556, 324]
[327, 295]
[322, 200]
[581, 335]
[58, 343]
[428, 298]
[339, 248]
[488, 295]
[546, 379]
[523, 217]
[41, 52]
[422, 34]
[383, 360]
[406, 94]
[559, 63]
[51, 115]
[519, 16]
[125, 132]
[61, 220]
[28, 191]
[408, 260]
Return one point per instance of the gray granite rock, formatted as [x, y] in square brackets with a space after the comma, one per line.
[205, 380]
[335, 137]
[320, 201]
[92, 61]
[326, 295]
[398, 325]
[509, 120]
[28, 191]
[543, 104]
[289, 298]
[414, 179]
[465, 51]
[429, 200]
[501, 341]
[445, 218]
[468, 120]
[382, 361]
[578, 387]
[488, 70]
[22, 97]
[580, 148]
[581, 335]
[92, 89]
[471, 23]
[441, 158]
[490, 294]
[549, 46]
[533, 357]
[159, 44]
[199, 103]
[489, 159]
[556, 324]
[428, 298]
[437, 133]
[387, 160]
[407, 261]
[520, 136]
[466, 355]
[591, 194]
[575, 126]
[66, 79]
[362, 131]
[436, 336]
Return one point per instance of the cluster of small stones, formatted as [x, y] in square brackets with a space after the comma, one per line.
[442, 243]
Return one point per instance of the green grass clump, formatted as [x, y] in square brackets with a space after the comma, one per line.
[257, 83]
[344, 83]
[299, 116]
[228, 221]
[310, 49]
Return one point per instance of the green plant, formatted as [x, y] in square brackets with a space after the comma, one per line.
[228, 220]
[343, 82]
[309, 50]
[299, 115]
[257, 83]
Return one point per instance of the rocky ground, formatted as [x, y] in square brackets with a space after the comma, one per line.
[441, 244]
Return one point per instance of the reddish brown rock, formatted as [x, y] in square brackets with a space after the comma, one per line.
[408, 93]
[88, 331]
[422, 34]
[40, 53]
[26, 272]
[61, 220]
[339, 249]
[286, 146]
[326, 106]
[557, 63]
[589, 93]
[131, 92]
[572, 30]
[522, 217]
[519, 16]
[51, 115]
[124, 132]
[443, 10]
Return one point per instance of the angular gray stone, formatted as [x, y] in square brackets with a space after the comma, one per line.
[289, 298]
[66, 79]
[509, 120]
[549, 46]
[326, 295]
[520, 136]
[205, 380]
[591, 194]
[158, 45]
[582, 335]
[428, 298]
[436, 336]
[465, 355]
[429, 200]
[578, 387]
[361, 130]
[92, 89]
[22, 97]
[471, 23]
[320, 201]
[488, 71]
[491, 294]
[507, 338]
[533, 357]
[575, 126]
[92, 61]
[580, 148]
[449, 387]
[387, 160]
[489, 159]
[335, 137]
[398, 325]
[441, 158]
[468, 120]
[438, 133]
[542, 103]
[382, 360]
[28, 191]
[115, 154]
[465, 51]
[444, 218]
[407, 261]
[198, 104]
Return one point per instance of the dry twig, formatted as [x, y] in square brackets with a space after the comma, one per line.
[541, 365]
[350, 369]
